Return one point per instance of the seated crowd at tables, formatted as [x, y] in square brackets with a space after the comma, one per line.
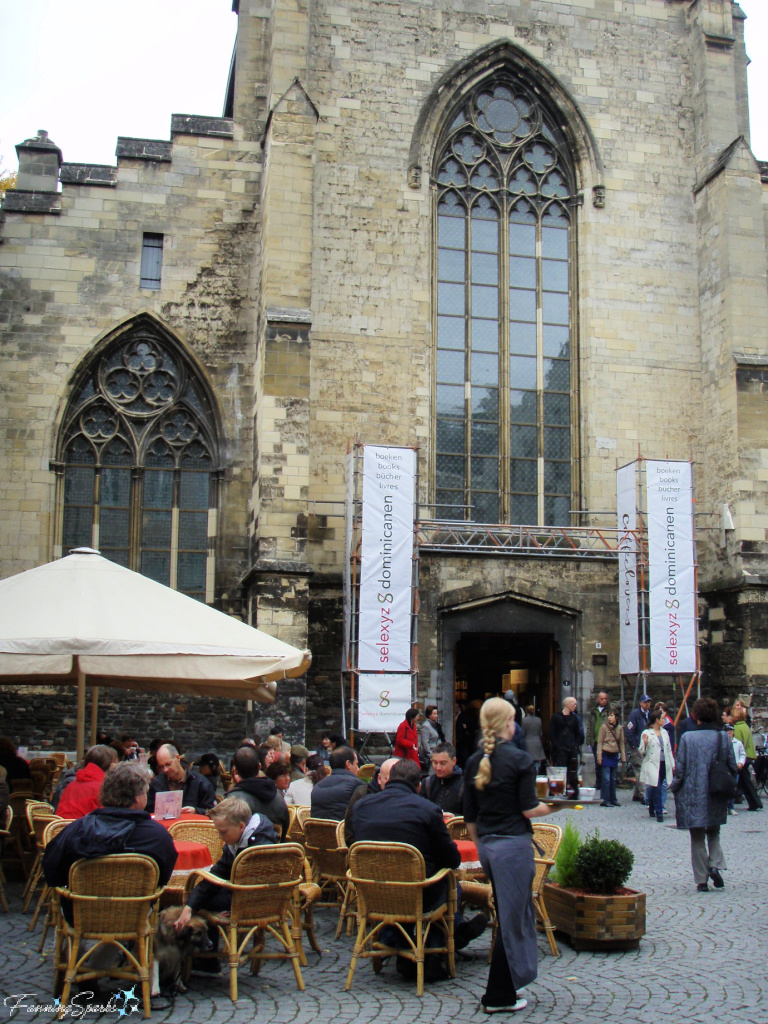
[111, 794]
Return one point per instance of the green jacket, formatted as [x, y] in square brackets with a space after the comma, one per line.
[595, 721]
[742, 732]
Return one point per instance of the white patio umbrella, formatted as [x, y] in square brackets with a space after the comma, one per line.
[83, 619]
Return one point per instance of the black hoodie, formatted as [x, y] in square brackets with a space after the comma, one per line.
[262, 797]
[108, 830]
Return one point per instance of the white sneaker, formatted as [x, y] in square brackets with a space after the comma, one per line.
[519, 1005]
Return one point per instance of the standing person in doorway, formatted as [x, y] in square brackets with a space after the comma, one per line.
[532, 730]
[636, 726]
[566, 734]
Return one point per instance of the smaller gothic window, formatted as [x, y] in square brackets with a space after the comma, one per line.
[138, 451]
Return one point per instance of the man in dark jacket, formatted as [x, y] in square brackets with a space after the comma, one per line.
[331, 795]
[121, 825]
[260, 794]
[637, 723]
[566, 734]
[198, 793]
[446, 787]
[399, 815]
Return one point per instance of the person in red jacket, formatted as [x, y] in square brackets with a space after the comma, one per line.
[82, 794]
[407, 738]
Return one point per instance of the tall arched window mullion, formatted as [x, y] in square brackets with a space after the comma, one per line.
[503, 157]
[139, 463]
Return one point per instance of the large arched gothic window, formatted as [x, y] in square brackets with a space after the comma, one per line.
[139, 456]
[504, 404]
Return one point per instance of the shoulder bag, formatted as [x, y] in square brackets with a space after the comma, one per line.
[722, 781]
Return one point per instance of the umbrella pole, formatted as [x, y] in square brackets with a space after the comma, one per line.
[94, 712]
[80, 713]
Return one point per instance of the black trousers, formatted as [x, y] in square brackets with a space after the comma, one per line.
[500, 989]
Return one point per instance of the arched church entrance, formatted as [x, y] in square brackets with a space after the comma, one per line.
[508, 643]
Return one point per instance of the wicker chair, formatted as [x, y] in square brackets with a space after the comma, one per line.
[5, 837]
[327, 853]
[547, 839]
[302, 813]
[199, 832]
[457, 828]
[19, 829]
[39, 815]
[295, 832]
[114, 902]
[390, 879]
[366, 772]
[51, 829]
[264, 885]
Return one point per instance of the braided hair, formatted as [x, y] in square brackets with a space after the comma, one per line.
[494, 715]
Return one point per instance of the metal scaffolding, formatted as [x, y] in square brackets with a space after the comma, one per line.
[580, 542]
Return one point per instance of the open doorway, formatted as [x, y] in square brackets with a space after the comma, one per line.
[488, 664]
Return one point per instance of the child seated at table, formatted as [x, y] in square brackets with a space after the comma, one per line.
[240, 829]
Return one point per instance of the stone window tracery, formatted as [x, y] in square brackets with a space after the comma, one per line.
[504, 397]
[138, 460]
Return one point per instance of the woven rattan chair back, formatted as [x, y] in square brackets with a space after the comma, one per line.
[302, 813]
[199, 832]
[296, 825]
[265, 878]
[37, 808]
[547, 839]
[321, 843]
[457, 828]
[386, 877]
[111, 895]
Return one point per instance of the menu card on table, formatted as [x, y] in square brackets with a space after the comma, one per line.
[168, 805]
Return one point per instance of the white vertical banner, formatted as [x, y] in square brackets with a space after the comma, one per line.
[672, 577]
[349, 498]
[626, 512]
[382, 701]
[386, 554]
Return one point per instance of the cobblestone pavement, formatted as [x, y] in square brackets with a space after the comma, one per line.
[703, 958]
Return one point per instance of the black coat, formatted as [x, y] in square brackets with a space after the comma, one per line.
[398, 815]
[566, 734]
[262, 797]
[331, 795]
[108, 830]
[198, 791]
[447, 793]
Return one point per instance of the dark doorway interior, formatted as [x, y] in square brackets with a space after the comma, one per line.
[530, 661]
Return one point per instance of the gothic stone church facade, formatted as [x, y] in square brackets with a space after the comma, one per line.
[528, 237]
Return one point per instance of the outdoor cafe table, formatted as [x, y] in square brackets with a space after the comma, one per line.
[185, 816]
[189, 857]
[470, 859]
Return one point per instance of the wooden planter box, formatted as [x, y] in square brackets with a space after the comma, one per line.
[597, 922]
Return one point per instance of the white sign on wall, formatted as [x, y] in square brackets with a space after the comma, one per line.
[672, 576]
[382, 701]
[626, 511]
[386, 556]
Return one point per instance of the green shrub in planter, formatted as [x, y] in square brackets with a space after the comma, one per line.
[565, 872]
[602, 865]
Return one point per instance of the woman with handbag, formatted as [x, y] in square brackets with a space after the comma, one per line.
[704, 759]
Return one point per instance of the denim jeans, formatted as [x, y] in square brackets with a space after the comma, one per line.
[657, 797]
[608, 787]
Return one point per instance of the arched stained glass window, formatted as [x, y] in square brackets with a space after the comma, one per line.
[504, 398]
[138, 453]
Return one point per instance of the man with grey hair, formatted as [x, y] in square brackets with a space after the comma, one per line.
[198, 793]
[121, 825]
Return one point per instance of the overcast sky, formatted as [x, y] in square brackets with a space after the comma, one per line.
[90, 70]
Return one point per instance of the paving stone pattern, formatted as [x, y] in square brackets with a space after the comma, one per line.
[702, 959]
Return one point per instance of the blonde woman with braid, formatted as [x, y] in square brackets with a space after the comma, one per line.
[499, 801]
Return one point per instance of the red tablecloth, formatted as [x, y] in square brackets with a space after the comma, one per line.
[187, 816]
[190, 856]
[470, 860]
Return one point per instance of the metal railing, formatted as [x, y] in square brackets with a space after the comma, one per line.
[452, 537]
